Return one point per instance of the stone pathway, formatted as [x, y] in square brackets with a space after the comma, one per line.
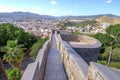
[54, 66]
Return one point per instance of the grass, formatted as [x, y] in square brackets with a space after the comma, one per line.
[113, 64]
[37, 46]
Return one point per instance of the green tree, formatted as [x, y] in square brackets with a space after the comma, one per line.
[116, 54]
[11, 50]
[105, 39]
[105, 54]
[11, 32]
[14, 53]
[2, 70]
[114, 32]
[110, 43]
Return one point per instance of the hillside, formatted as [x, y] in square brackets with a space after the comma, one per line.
[110, 20]
[27, 16]
[23, 16]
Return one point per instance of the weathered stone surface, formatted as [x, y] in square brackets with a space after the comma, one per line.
[36, 70]
[54, 66]
[31, 75]
[87, 47]
[76, 68]
[69, 37]
[101, 72]
[75, 64]
[88, 54]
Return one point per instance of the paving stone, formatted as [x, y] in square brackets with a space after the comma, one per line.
[54, 67]
[51, 77]
[61, 76]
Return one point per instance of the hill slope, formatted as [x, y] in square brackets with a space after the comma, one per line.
[110, 20]
[23, 16]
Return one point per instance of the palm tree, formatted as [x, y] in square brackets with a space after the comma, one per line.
[3, 70]
[14, 53]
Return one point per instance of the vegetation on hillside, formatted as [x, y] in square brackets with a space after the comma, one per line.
[36, 46]
[95, 22]
[13, 53]
[76, 24]
[110, 51]
[14, 44]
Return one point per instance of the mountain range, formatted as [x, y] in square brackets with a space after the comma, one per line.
[21, 16]
[89, 16]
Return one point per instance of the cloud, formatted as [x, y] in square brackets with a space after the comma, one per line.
[53, 2]
[4, 8]
[108, 1]
[53, 11]
[33, 9]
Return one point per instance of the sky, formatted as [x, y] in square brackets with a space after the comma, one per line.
[62, 7]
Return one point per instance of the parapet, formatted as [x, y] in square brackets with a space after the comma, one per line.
[101, 72]
[87, 47]
[81, 41]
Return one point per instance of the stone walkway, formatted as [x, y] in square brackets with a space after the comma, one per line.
[54, 66]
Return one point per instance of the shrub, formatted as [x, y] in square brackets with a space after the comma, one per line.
[14, 74]
[36, 47]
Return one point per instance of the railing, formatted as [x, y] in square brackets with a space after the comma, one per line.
[36, 70]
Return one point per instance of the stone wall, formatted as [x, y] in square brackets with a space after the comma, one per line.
[76, 68]
[31, 72]
[86, 39]
[36, 70]
[69, 37]
[101, 72]
[88, 54]
[78, 38]
[87, 47]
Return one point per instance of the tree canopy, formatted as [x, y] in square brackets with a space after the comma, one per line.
[14, 43]
[10, 32]
[110, 40]
[76, 24]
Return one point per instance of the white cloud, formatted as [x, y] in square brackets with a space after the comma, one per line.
[108, 1]
[39, 10]
[53, 2]
[54, 10]
[4, 8]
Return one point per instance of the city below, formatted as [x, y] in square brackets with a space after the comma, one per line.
[40, 25]
[59, 48]
[59, 40]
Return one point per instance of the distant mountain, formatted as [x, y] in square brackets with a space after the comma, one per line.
[88, 16]
[21, 16]
[27, 16]
[111, 15]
